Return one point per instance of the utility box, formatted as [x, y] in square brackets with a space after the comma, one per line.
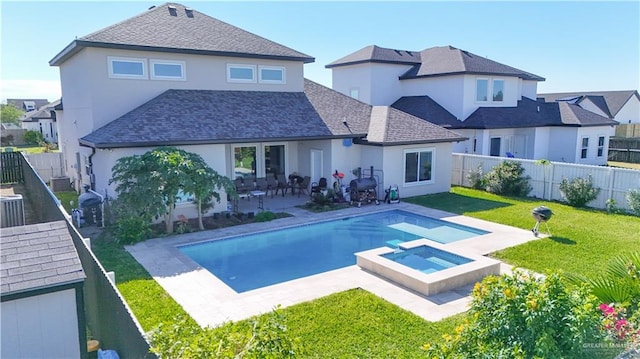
[59, 184]
[12, 211]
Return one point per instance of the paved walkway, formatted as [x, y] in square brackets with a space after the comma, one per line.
[211, 302]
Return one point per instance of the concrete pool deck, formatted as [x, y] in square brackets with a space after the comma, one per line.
[211, 302]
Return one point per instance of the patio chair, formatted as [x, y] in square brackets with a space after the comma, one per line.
[282, 185]
[261, 184]
[272, 185]
[242, 188]
[304, 185]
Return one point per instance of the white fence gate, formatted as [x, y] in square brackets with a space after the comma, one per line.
[614, 183]
[47, 165]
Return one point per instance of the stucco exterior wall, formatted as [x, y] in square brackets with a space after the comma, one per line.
[565, 142]
[446, 91]
[43, 326]
[593, 133]
[529, 89]
[630, 112]
[358, 77]
[386, 87]
[510, 99]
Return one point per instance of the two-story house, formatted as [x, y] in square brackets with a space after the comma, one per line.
[42, 120]
[492, 104]
[174, 76]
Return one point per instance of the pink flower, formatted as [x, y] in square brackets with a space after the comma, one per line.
[606, 309]
[621, 323]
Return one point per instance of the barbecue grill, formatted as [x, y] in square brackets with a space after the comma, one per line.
[541, 214]
[363, 189]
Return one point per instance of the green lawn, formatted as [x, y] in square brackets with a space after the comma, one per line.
[356, 323]
[26, 148]
[583, 240]
[66, 198]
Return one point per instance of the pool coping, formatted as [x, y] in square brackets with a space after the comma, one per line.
[211, 302]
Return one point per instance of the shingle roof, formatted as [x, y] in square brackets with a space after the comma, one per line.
[530, 113]
[599, 102]
[19, 102]
[378, 54]
[172, 27]
[390, 126]
[426, 108]
[38, 256]
[615, 100]
[434, 61]
[178, 117]
[44, 112]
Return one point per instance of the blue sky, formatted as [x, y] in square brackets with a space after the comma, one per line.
[574, 45]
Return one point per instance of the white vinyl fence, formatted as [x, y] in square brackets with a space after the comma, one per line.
[48, 165]
[614, 183]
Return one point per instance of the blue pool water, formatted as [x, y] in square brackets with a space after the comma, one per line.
[427, 259]
[262, 259]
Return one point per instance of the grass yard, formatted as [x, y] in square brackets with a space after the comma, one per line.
[26, 148]
[582, 241]
[66, 197]
[356, 323]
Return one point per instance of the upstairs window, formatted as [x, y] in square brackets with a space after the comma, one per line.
[498, 90]
[167, 70]
[272, 74]
[355, 93]
[585, 147]
[127, 68]
[482, 89]
[600, 146]
[241, 73]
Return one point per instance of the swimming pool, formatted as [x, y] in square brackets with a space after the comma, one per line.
[262, 259]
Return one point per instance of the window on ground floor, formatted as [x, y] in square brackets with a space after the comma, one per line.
[495, 145]
[244, 162]
[600, 146]
[418, 166]
[274, 159]
[585, 147]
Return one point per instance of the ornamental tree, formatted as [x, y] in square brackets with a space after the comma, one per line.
[150, 183]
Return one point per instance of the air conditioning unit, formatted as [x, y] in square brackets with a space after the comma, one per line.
[12, 211]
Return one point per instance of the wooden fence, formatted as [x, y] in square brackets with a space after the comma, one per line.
[11, 167]
[614, 183]
[628, 130]
[624, 150]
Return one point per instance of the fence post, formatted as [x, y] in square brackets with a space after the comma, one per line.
[462, 164]
[612, 175]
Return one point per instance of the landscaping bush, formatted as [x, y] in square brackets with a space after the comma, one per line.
[522, 316]
[579, 191]
[507, 179]
[265, 216]
[129, 227]
[265, 337]
[476, 178]
[633, 199]
[33, 137]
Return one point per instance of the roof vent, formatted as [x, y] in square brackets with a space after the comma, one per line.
[151, 7]
[173, 11]
[189, 11]
[398, 52]
[409, 52]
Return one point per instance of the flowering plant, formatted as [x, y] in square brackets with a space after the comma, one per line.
[619, 328]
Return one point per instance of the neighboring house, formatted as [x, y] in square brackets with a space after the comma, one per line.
[12, 134]
[42, 120]
[174, 76]
[492, 104]
[621, 106]
[42, 293]
[27, 105]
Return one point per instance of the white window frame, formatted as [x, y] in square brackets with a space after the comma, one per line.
[153, 62]
[418, 182]
[280, 68]
[143, 76]
[584, 148]
[241, 66]
[600, 152]
[489, 92]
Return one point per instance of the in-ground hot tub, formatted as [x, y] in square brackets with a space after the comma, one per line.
[427, 267]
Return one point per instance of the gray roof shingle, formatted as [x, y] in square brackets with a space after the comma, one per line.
[615, 100]
[390, 126]
[178, 117]
[426, 108]
[172, 28]
[19, 102]
[38, 256]
[434, 61]
[530, 113]
[378, 54]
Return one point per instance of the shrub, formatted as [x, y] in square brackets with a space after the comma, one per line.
[129, 227]
[507, 179]
[579, 191]
[265, 216]
[476, 178]
[33, 137]
[266, 336]
[522, 316]
[633, 200]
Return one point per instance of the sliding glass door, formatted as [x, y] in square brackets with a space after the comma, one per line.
[258, 160]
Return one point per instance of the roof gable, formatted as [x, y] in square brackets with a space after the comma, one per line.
[173, 27]
[615, 100]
